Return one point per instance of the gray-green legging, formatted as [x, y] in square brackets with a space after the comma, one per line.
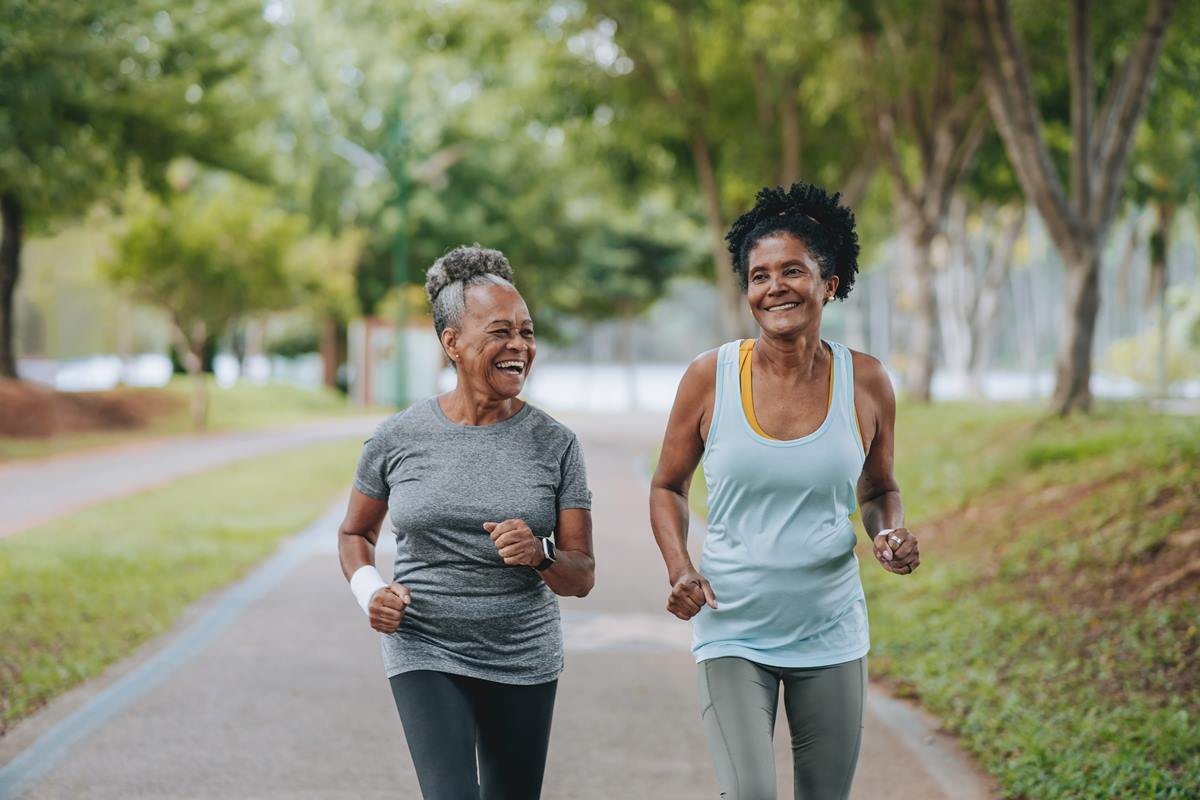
[824, 706]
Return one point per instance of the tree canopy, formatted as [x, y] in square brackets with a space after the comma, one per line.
[604, 145]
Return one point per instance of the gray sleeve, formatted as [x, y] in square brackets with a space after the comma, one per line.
[573, 490]
[371, 476]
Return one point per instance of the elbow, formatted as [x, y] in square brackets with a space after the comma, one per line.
[587, 582]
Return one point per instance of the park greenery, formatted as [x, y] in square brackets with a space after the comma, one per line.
[602, 143]
[241, 158]
[85, 590]
[1054, 628]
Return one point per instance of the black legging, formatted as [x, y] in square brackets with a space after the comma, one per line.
[447, 718]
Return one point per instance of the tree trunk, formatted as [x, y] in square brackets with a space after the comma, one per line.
[789, 136]
[10, 270]
[199, 391]
[855, 182]
[1125, 265]
[730, 313]
[958, 288]
[1101, 141]
[923, 333]
[330, 351]
[1073, 366]
[1160, 244]
[239, 337]
[988, 306]
[190, 347]
[1024, 296]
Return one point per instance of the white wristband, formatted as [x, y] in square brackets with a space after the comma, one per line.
[365, 582]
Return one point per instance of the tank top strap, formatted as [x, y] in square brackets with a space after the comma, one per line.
[727, 396]
[844, 389]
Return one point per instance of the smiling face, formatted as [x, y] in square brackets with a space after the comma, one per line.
[784, 288]
[493, 348]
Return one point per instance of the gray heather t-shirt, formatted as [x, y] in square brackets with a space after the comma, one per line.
[472, 614]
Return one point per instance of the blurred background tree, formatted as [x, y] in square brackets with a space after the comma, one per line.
[608, 143]
[208, 256]
[1097, 151]
[91, 88]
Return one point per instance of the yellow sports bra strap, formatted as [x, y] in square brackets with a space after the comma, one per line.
[745, 363]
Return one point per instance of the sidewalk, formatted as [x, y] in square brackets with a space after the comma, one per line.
[35, 492]
[275, 689]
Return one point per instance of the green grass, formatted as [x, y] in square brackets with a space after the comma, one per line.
[83, 591]
[1023, 630]
[241, 407]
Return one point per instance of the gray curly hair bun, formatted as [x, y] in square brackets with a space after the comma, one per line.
[447, 280]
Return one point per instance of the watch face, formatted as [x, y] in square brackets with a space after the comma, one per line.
[548, 548]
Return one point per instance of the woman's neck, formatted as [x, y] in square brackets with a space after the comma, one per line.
[468, 407]
[799, 354]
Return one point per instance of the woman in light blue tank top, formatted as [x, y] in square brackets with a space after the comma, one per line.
[794, 434]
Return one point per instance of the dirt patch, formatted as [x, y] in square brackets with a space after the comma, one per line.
[31, 411]
[1163, 573]
[984, 529]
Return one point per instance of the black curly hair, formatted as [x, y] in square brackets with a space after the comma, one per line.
[810, 214]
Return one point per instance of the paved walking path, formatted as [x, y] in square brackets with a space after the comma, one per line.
[33, 492]
[275, 689]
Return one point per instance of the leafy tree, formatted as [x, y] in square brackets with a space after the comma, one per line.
[1166, 167]
[928, 105]
[90, 87]
[429, 131]
[320, 268]
[722, 97]
[208, 257]
[1097, 150]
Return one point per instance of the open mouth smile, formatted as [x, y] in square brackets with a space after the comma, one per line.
[513, 367]
[783, 307]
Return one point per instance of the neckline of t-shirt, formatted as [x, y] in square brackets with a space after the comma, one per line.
[495, 426]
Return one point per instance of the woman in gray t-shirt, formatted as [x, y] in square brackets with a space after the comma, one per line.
[489, 501]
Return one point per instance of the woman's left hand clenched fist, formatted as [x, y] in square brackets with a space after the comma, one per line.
[897, 550]
[515, 542]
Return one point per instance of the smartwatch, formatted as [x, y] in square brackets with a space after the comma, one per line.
[548, 552]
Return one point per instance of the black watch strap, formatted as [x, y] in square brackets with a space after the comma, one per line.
[548, 550]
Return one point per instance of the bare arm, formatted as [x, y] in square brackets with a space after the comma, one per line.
[573, 572]
[683, 446]
[359, 531]
[878, 490]
[356, 549]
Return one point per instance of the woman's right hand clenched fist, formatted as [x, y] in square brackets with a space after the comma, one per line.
[387, 607]
[689, 593]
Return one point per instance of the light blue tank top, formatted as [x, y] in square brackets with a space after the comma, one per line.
[780, 546]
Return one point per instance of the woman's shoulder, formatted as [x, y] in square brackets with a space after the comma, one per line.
[703, 368]
[548, 425]
[417, 415]
[869, 372]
